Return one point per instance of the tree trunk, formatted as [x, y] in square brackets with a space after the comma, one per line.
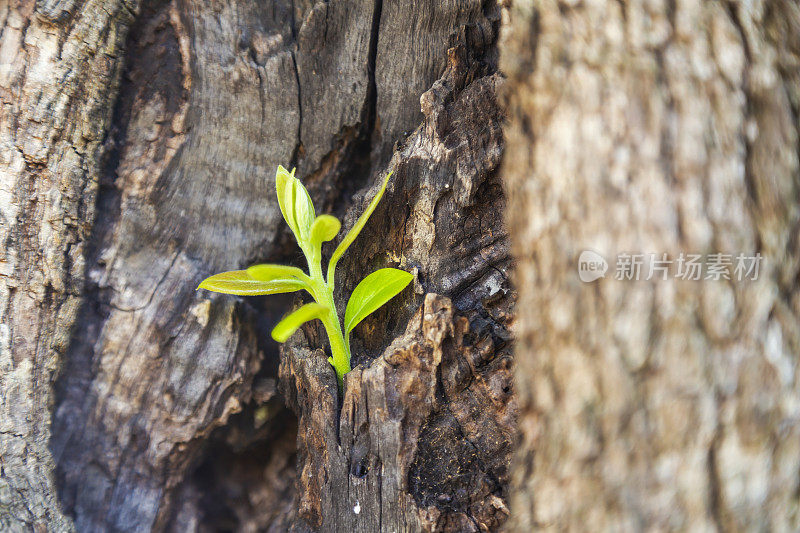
[655, 128]
[58, 80]
[139, 145]
[425, 431]
[139, 141]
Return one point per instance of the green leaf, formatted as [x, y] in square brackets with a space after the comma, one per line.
[239, 282]
[374, 291]
[282, 178]
[295, 203]
[354, 231]
[302, 210]
[325, 228]
[289, 325]
[269, 272]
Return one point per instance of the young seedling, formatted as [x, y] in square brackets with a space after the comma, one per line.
[311, 231]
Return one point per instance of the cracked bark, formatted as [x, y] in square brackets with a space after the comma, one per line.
[658, 127]
[426, 426]
[140, 140]
[57, 85]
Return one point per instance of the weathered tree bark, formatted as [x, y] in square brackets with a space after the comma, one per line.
[426, 429]
[121, 192]
[655, 127]
[57, 87]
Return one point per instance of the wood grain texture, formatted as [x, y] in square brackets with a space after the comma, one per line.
[657, 127]
[59, 70]
[120, 196]
[157, 365]
[399, 83]
[425, 433]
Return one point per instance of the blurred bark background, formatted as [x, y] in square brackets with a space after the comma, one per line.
[656, 127]
[138, 147]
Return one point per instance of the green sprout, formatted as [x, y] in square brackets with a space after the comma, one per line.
[311, 231]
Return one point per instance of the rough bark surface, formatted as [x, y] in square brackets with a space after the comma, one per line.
[59, 70]
[426, 429]
[655, 127]
[424, 436]
[118, 197]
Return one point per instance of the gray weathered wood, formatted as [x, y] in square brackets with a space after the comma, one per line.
[423, 438]
[118, 198]
[426, 427]
[58, 80]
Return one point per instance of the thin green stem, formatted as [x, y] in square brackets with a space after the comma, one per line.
[340, 354]
[323, 294]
